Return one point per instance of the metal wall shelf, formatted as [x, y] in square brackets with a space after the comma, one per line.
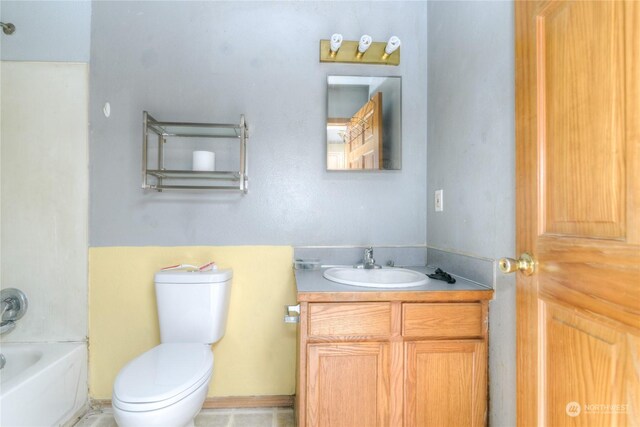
[159, 178]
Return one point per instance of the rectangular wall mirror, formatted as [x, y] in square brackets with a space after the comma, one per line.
[364, 123]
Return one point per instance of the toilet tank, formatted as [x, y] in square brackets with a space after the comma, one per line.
[193, 305]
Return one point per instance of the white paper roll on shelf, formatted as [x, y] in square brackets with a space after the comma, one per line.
[204, 161]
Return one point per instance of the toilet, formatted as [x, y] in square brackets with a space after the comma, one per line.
[167, 385]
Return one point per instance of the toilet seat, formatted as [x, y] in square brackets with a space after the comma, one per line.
[162, 376]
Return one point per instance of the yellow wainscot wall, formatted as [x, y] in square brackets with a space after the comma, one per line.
[255, 357]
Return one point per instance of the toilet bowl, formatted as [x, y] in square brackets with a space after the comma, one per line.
[167, 385]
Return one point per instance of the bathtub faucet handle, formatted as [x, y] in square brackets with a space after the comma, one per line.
[13, 305]
[7, 326]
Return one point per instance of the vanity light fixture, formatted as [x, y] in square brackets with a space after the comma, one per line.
[336, 49]
[336, 42]
[392, 45]
[365, 42]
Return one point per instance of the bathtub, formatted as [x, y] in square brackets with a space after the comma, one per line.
[42, 384]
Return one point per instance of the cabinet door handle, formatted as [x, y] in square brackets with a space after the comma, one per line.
[289, 317]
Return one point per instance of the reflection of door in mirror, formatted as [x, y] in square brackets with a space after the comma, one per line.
[363, 123]
[356, 143]
[363, 137]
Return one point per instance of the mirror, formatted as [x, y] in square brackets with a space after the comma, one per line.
[364, 123]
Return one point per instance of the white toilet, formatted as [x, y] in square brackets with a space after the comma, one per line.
[167, 385]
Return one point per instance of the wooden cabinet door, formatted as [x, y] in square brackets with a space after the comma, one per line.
[348, 384]
[578, 212]
[445, 383]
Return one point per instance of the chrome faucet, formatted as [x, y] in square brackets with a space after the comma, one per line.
[13, 305]
[3, 360]
[367, 261]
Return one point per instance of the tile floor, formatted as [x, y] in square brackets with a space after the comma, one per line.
[259, 417]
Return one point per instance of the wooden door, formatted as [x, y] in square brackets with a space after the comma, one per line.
[364, 136]
[348, 384]
[445, 383]
[578, 202]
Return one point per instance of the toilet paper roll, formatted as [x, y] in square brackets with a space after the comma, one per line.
[204, 160]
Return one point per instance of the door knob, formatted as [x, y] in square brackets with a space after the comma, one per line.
[526, 264]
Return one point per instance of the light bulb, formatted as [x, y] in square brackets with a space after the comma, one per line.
[392, 45]
[336, 42]
[365, 42]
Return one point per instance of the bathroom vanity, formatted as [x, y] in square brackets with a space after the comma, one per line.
[399, 357]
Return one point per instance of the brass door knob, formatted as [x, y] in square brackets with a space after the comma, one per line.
[526, 264]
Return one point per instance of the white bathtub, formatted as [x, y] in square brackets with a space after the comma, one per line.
[42, 384]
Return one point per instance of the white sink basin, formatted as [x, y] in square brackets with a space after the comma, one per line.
[376, 278]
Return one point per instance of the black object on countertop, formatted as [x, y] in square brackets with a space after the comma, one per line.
[442, 275]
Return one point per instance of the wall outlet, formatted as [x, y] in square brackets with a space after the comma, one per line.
[439, 203]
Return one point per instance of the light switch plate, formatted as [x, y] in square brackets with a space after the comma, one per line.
[439, 203]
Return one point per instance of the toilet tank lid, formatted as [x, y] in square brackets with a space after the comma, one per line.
[182, 276]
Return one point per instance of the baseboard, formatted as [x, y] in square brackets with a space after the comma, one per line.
[283, 401]
[280, 401]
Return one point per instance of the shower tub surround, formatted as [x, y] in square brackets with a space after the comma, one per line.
[42, 384]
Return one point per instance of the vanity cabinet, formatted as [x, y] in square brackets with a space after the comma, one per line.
[348, 384]
[409, 361]
[445, 383]
[446, 365]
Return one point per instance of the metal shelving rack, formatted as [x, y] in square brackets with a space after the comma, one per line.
[160, 178]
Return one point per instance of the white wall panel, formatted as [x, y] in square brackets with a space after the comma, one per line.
[44, 196]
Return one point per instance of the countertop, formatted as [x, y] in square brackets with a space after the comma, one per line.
[313, 287]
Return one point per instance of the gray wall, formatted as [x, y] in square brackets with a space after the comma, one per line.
[212, 61]
[46, 30]
[345, 100]
[471, 156]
